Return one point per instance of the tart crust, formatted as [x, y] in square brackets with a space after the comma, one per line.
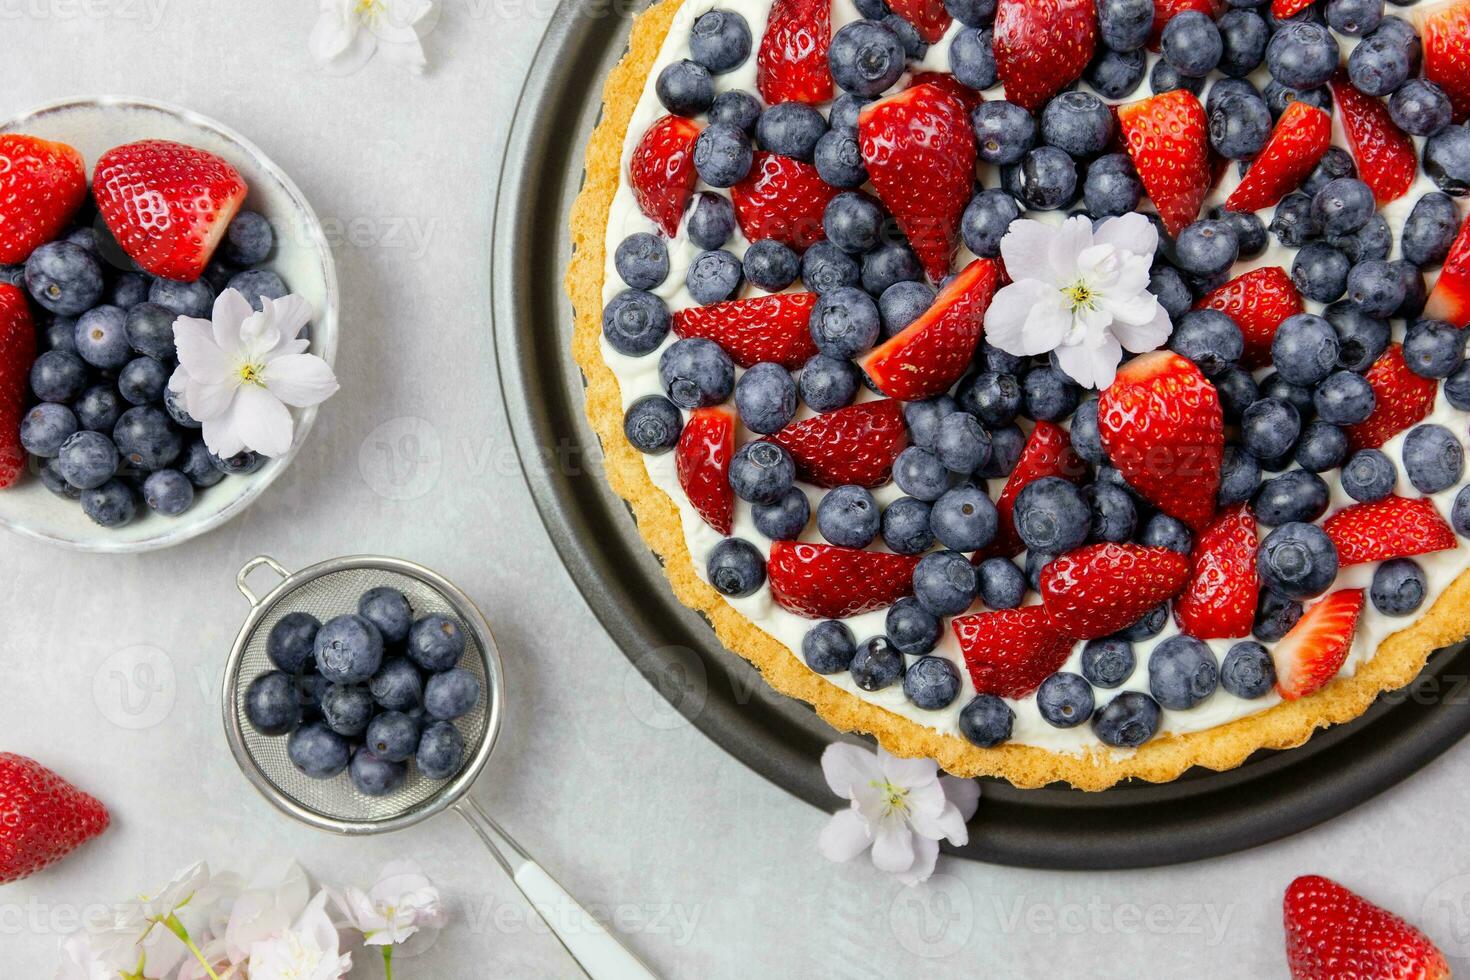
[1398, 659]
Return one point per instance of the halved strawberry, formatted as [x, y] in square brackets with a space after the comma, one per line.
[1011, 651]
[1313, 651]
[823, 581]
[791, 65]
[856, 444]
[1168, 139]
[1282, 9]
[662, 171]
[1219, 600]
[1450, 299]
[1333, 934]
[702, 459]
[1301, 137]
[1444, 30]
[784, 199]
[1042, 46]
[1100, 589]
[919, 148]
[167, 204]
[1048, 452]
[1394, 527]
[17, 352]
[931, 353]
[929, 17]
[763, 328]
[1162, 427]
[1258, 301]
[1167, 10]
[1387, 160]
[41, 186]
[968, 97]
[1402, 399]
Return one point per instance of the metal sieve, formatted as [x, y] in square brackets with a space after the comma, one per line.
[330, 589]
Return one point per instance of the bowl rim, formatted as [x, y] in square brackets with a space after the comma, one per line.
[323, 338]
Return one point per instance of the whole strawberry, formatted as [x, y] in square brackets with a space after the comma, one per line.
[41, 186]
[17, 352]
[43, 818]
[1334, 934]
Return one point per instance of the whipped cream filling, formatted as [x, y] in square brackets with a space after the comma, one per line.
[638, 376]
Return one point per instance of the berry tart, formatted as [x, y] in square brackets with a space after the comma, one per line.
[1063, 390]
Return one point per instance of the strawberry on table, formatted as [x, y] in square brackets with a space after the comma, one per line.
[1048, 452]
[856, 444]
[1011, 651]
[783, 199]
[1334, 934]
[1219, 600]
[167, 204]
[43, 818]
[662, 171]
[1314, 650]
[931, 353]
[1301, 137]
[763, 328]
[1450, 299]
[1444, 30]
[823, 581]
[1102, 588]
[1042, 46]
[1387, 159]
[1394, 527]
[1401, 398]
[919, 149]
[41, 186]
[792, 63]
[702, 459]
[1168, 138]
[1258, 301]
[17, 352]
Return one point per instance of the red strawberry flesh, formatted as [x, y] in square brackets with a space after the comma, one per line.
[41, 186]
[1394, 527]
[1048, 452]
[791, 65]
[1334, 934]
[763, 328]
[1258, 301]
[1387, 160]
[1102, 588]
[17, 352]
[1450, 299]
[929, 17]
[43, 818]
[1168, 138]
[702, 459]
[1301, 137]
[662, 171]
[931, 353]
[782, 199]
[823, 581]
[856, 444]
[1314, 650]
[1011, 651]
[1219, 600]
[1444, 30]
[1402, 398]
[1042, 46]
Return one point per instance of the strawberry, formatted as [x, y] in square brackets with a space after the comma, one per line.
[1402, 399]
[1167, 10]
[765, 328]
[1011, 651]
[823, 581]
[167, 204]
[1444, 30]
[1450, 299]
[41, 186]
[1282, 9]
[1333, 934]
[1048, 452]
[43, 818]
[17, 352]
[929, 17]
[791, 65]
[1219, 600]
[1257, 301]
[1312, 652]
[968, 97]
[1394, 527]
[1101, 588]
[1301, 137]
[1042, 46]
[662, 171]
[856, 444]
[919, 148]
[1387, 160]
[702, 459]
[1168, 139]
[1162, 427]
[784, 199]
[930, 354]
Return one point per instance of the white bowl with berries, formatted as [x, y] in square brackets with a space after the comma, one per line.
[125, 224]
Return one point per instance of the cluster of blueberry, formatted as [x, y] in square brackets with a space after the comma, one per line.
[105, 428]
[367, 692]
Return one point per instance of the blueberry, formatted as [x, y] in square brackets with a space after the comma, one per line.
[1294, 223]
[1433, 348]
[1210, 339]
[1243, 37]
[1279, 96]
[196, 299]
[1116, 74]
[790, 129]
[1086, 440]
[1051, 516]
[1002, 585]
[1430, 229]
[1239, 475]
[827, 383]
[765, 396]
[652, 424]
[885, 265]
[912, 629]
[924, 418]
[1457, 388]
[1206, 248]
[441, 751]
[1044, 180]
[826, 268]
[1240, 126]
[1320, 272]
[1248, 671]
[853, 222]
[1460, 512]
[849, 517]
[635, 322]
[865, 58]
[45, 427]
[387, 609]
[1343, 206]
[761, 472]
[87, 460]
[1173, 295]
[451, 694]
[1114, 516]
[720, 40]
[839, 158]
[844, 111]
[961, 444]
[1127, 721]
[972, 13]
[1164, 77]
[972, 57]
[945, 583]
[393, 736]
[964, 519]
[1399, 587]
[1360, 337]
[436, 642]
[110, 505]
[1064, 700]
[52, 480]
[1368, 475]
[1036, 563]
[1336, 163]
[143, 380]
[986, 721]
[1077, 122]
[1111, 188]
[710, 223]
[168, 492]
[931, 683]
[101, 338]
[1344, 398]
[249, 239]
[347, 709]
[1191, 43]
[173, 404]
[1007, 442]
[994, 398]
[397, 685]
[1380, 64]
[241, 464]
[1433, 458]
[903, 303]
[1238, 391]
[685, 88]
[1354, 17]
[1182, 672]
[1447, 160]
[1296, 495]
[270, 704]
[147, 438]
[1048, 395]
[1305, 349]
[1298, 561]
[828, 647]
[1107, 662]
[736, 108]
[373, 775]
[992, 358]
[1420, 108]
[1302, 55]
[713, 277]
[317, 751]
[1125, 25]
[696, 373]
[642, 259]
[906, 529]
[291, 643]
[1004, 132]
[1150, 625]
[876, 664]
[64, 278]
[311, 690]
[784, 519]
[845, 322]
[1323, 447]
[1163, 531]
[1269, 428]
[348, 650]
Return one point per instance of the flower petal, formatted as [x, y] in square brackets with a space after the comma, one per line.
[844, 837]
[222, 434]
[1006, 321]
[333, 33]
[908, 773]
[846, 766]
[1027, 246]
[1146, 337]
[1131, 232]
[206, 401]
[1069, 243]
[199, 354]
[258, 336]
[290, 313]
[265, 423]
[1091, 367]
[963, 793]
[230, 310]
[947, 824]
[893, 846]
[926, 855]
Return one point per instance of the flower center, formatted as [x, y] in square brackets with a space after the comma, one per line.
[1081, 295]
[368, 8]
[895, 798]
[252, 374]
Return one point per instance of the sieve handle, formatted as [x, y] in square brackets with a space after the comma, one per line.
[251, 566]
[597, 951]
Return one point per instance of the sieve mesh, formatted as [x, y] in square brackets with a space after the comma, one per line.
[334, 593]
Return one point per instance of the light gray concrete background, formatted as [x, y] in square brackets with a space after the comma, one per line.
[707, 870]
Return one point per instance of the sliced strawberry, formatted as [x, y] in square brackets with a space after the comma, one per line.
[1167, 10]
[1402, 399]
[1258, 301]
[1301, 137]
[1219, 600]
[702, 458]
[17, 352]
[1387, 160]
[167, 204]
[1100, 589]
[929, 17]
[1011, 651]
[1168, 139]
[968, 97]
[1394, 527]
[41, 186]
[931, 353]
[1162, 427]
[1048, 452]
[1042, 46]
[823, 581]
[792, 63]
[1282, 9]
[43, 818]
[783, 199]
[1450, 299]
[764, 328]
[919, 148]
[662, 171]
[1313, 651]
[1333, 934]
[856, 444]
[1444, 29]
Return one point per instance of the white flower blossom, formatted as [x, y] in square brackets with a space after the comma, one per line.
[266, 908]
[349, 32]
[401, 903]
[310, 950]
[135, 938]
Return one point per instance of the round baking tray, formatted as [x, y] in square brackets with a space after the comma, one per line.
[1200, 815]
